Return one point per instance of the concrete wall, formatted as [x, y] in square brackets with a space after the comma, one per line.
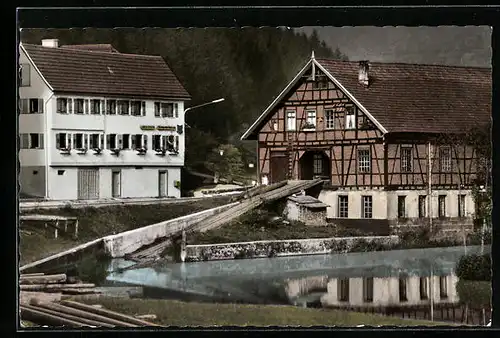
[386, 292]
[32, 180]
[385, 203]
[260, 249]
[134, 182]
[127, 242]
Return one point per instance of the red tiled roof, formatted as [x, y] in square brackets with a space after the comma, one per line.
[419, 98]
[93, 47]
[78, 71]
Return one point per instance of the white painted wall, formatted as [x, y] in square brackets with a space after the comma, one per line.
[292, 211]
[385, 203]
[63, 187]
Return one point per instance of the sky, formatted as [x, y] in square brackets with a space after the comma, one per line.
[449, 45]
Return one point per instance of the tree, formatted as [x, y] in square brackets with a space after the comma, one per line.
[226, 161]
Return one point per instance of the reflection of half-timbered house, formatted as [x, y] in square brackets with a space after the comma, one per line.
[368, 130]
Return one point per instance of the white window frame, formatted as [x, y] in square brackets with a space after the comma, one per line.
[25, 79]
[111, 107]
[120, 104]
[310, 118]
[291, 120]
[343, 206]
[366, 206]
[445, 161]
[99, 141]
[368, 289]
[64, 107]
[76, 101]
[406, 159]
[116, 142]
[329, 120]
[67, 140]
[164, 112]
[92, 107]
[317, 164]
[364, 163]
[139, 112]
[350, 118]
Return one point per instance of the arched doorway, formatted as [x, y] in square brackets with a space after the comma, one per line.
[314, 164]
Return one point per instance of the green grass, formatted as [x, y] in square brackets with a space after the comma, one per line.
[177, 313]
[98, 222]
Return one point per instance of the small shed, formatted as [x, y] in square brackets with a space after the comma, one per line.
[306, 209]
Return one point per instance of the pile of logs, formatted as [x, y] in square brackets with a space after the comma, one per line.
[74, 314]
[60, 283]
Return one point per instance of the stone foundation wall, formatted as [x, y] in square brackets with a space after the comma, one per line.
[261, 249]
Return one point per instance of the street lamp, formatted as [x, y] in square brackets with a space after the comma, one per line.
[201, 105]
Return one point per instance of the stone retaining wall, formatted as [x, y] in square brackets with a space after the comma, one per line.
[260, 249]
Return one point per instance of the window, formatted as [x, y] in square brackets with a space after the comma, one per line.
[25, 73]
[424, 287]
[136, 141]
[401, 206]
[79, 106]
[364, 160]
[291, 122]
[403, 297]
[79, 142]
[442, 205]
[125, 141]
[317, 164]
[443, 287]
[320, 83]
[343, 206]
[35, 172]
[60, 172]
[123, 107]
[36, 106]
[157, 142]
[157, 109]
[62, 141]
[368, 289]
[350, 118]
[406, 160]
[111, 107]
[343, 289]
[329, 119]
[461, 205]
[62, 105]
[94, 141]
[366, 206]
[35, 141]
[112, 141]
[311, 119]
[166, 109]
[95, 107]
[136, 108]
[422, 206]
[31, 141]
[445, 159]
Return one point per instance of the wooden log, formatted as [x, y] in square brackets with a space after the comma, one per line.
[83, 314]
[148, 317]
[108, 313]
[70, 291]
[44, 318]
[53, 287]
[26, 296]
[46, 279]
[70, 317]
[31, 274]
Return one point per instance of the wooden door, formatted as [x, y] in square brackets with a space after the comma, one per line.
[162, 184]
[116, 184]
[279, 166]
[88, 184]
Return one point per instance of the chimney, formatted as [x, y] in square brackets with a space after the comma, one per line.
[363, 77]
[53, 43]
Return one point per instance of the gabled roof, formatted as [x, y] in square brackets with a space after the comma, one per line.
[69, 70]
[104, 47]
[409, 97]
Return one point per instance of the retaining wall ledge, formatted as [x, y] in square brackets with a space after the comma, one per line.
[278, 248]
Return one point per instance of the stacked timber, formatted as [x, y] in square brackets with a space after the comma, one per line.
[38, 284]
[75, 314]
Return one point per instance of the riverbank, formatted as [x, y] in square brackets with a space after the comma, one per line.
[177, 313]
[37, 243]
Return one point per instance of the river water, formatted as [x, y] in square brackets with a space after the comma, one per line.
[381, 278]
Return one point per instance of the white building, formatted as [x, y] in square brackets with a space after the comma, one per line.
[95, 123]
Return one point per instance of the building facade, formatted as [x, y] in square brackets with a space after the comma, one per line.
[379, 135]
[95, 123]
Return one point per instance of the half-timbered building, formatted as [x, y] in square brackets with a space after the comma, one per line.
[374, 133]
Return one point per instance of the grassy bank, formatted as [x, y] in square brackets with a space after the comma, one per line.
[176, 313]
[37, 243]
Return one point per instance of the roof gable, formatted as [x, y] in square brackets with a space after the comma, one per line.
[92, 72]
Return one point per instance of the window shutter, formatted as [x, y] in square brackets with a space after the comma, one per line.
[101, 107]
[101, 141]
[176, 110]
[85, 106]
[157, 109]
[70, 106]
[58, 143]
[40, 140]
[143, 108]
[73, 142]
[120, 141]
[133, 146]
[24, 106]
[85, 140]
[108, 141]
[177, 142]
[145, 141]
[40, 106]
